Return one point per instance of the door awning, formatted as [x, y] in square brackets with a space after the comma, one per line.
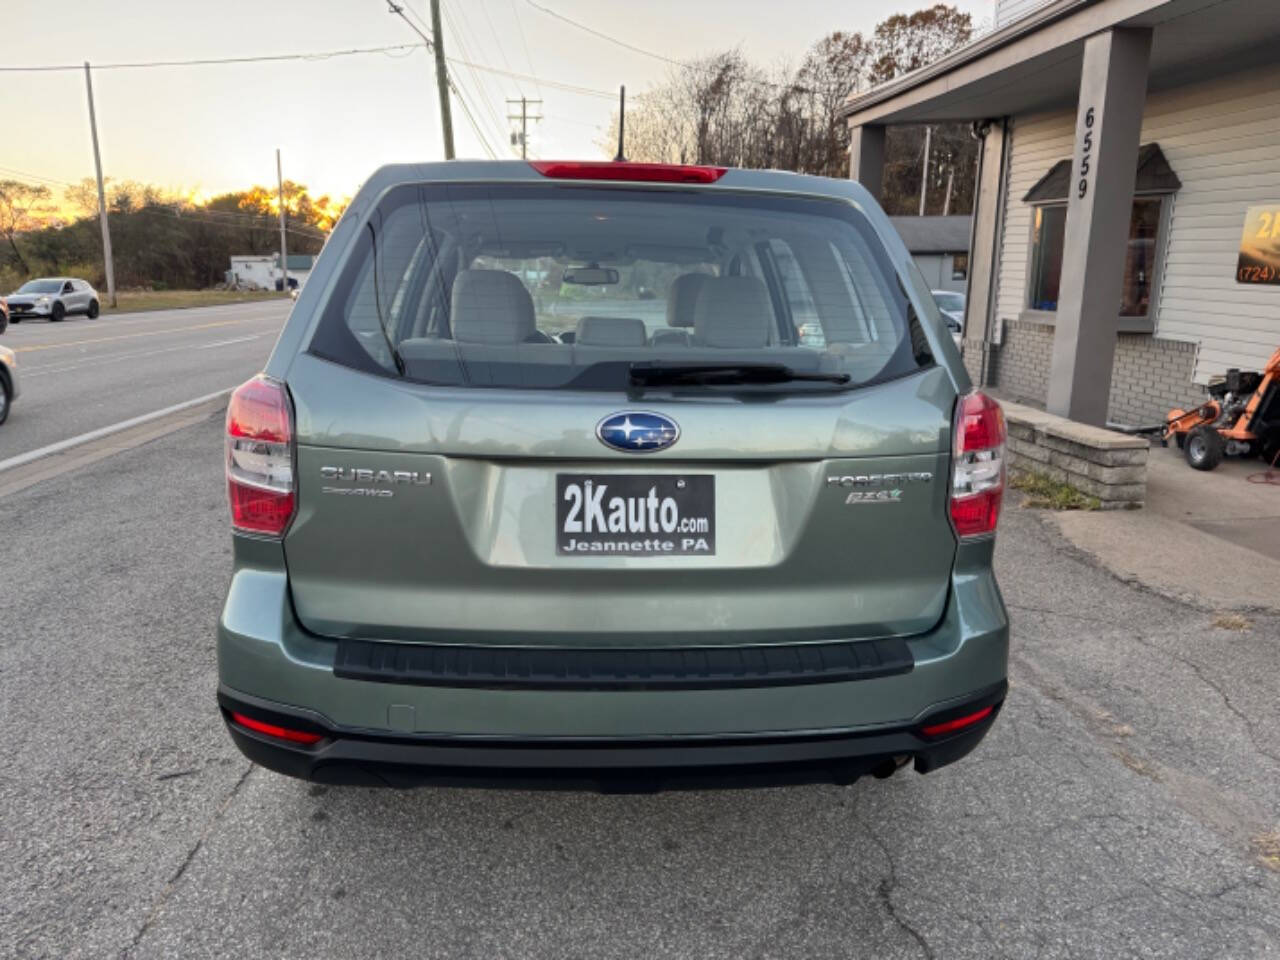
[1154, 176]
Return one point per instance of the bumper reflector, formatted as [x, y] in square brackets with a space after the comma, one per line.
[959, 723]
[271, 730]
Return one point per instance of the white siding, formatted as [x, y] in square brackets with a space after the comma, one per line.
[1038, 143]
[1009, 10]
[1221, 139]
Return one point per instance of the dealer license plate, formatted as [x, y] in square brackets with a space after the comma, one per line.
[635, 515]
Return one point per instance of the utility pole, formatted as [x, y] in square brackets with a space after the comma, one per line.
[436, 44]
[621, 156]
[102, 194]
[284, 252]
[524, 118]
[924, 174]
[442, 79]
[946, 203]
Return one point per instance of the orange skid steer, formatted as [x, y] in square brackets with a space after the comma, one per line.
[1240, 418]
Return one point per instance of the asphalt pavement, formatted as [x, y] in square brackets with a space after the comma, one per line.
[80, 375]
[1126, 803]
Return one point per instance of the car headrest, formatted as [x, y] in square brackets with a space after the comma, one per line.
[733, 312]
[667, 337]
[682, 296]
[611, 332]
[491, 306]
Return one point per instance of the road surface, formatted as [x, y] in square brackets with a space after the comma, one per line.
[81, 375]
[1127, 802]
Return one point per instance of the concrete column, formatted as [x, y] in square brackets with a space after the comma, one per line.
[984, 248]
[866, 157]
[1113, 92]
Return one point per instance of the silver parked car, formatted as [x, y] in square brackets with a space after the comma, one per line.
[951, 306]
[53, 298]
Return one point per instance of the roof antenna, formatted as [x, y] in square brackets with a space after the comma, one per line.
[622, 123]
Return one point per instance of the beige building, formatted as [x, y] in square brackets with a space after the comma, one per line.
[1127, 225]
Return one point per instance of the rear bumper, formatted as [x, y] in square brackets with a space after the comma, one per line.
[423, 723]
[365, 758]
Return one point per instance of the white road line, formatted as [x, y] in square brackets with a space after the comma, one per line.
[223, 343]
[30, 373]
[29, 456]
[114, 320]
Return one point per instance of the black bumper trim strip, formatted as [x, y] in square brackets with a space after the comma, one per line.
[687, 668]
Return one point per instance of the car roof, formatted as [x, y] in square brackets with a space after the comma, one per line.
[517, 171]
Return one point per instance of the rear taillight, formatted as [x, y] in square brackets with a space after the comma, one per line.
[260, 457]
[959, 723]
[280, 733]
[621, 170]
[977, 465]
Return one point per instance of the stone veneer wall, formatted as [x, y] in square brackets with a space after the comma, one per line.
[1101, 463]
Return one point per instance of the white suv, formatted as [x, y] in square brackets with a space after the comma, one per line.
[53, 298]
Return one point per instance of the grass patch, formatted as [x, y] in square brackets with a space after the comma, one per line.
[131, 301]
[1268, 847]
[1046, 493]
[1231, 621]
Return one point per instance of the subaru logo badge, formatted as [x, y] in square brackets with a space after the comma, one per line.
[637, 431]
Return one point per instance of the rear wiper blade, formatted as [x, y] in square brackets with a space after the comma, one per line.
[650, 374]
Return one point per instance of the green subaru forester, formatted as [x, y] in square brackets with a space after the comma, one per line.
[615, 476]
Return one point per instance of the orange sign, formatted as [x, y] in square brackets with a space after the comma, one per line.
[1260, 246]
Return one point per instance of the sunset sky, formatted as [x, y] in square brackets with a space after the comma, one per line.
[215, 128]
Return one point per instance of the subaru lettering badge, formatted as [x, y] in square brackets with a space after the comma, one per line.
[637, 431]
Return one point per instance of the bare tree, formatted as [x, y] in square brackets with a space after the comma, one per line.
[722, 109]
[23, 207]
[908, 41]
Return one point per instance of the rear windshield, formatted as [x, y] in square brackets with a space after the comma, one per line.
[551, 286]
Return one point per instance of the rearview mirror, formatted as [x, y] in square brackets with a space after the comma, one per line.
[591, 276]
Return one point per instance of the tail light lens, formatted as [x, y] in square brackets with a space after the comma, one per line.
[260, 457]
[977, 466]
[636, 172]
[959, 723]
[280, 733]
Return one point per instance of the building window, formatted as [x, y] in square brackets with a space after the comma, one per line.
[1140, 257]
[1049, 226]
[959, 266]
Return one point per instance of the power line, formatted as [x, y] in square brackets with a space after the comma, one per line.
[496, 126]
[246, 220]
[177, 216]
[497, 38]
[524, 43]
[34, 176]
[472, 120]
[604, 36]
[554, 84]
[326, 55]
[208, 61]
[649, 53]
